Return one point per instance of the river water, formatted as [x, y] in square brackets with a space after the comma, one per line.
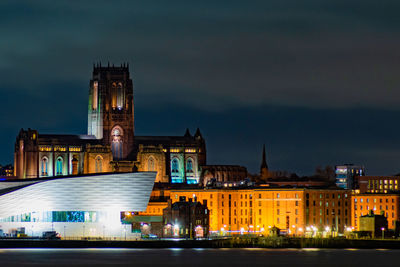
[199, 257]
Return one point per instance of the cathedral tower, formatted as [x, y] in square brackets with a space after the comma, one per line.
[111, 110]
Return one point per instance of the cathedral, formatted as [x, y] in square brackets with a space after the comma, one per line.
[110, 144]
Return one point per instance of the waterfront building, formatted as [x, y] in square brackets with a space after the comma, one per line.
[378, 184]
[388, 204]
[110, 144]
[375, 224]
[88, 206]
[186, 218]
[255, 210]
[345, 175]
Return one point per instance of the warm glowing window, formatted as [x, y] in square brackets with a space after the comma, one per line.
[116, 144]
[45, 148]
[151, 164]
[120, 96]
[99, 164]
[114, 95]
[44, 166]
[95, 94]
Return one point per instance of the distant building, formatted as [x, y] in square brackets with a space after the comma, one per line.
[378, 184]
[375, 224]
[388, 204]
[346, 173]
[188, 219]
[7, 170]
[298, 182]
[223, 173]
[265, 174]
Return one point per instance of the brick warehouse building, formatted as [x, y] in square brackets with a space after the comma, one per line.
[388, 204]
[257, 209]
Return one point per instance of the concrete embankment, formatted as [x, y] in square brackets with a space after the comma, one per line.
[283, 242]
[236, 242]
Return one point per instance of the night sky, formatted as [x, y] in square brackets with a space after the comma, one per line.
[316, 81]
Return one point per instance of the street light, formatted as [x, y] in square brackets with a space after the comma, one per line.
[383, 232]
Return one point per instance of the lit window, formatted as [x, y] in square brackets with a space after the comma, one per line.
[59, 166]
[99, 164]
[151, 164]
[116, 146]
[175, 165]
[189, 165]
[44, 166]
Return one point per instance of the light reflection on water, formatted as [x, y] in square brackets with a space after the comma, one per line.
[199, 257]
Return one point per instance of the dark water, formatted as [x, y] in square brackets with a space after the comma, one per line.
[199, 257]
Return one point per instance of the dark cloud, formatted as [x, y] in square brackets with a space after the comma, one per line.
[214, 58]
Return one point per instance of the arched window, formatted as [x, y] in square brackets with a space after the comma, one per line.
[59, 166]
[74, 163]
[114, 95]
[116, 142]
[120, 96]
[99, 164]
[189, 165]
[151, 164]
[95, 94]
[45, 163]
[175, 165]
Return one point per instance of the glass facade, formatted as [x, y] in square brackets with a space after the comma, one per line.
[54, 216]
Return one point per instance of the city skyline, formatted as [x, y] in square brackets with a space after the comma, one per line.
[316, 83]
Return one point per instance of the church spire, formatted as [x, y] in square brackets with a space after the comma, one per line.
[264, 159]
[187, 133]
[264, 172]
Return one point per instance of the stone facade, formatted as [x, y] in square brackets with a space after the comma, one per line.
[110, 145]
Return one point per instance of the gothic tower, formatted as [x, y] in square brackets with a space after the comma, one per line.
[111, 110]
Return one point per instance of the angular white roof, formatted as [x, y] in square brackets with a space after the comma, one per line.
[103, 192]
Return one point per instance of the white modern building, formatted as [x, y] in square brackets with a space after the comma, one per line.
[75, 207]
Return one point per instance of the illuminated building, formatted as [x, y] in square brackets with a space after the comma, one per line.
[388, 204]
[378, 184]
[186, 219]
[110, 144]
[7, 170]
[76, 206]
[255, 210]
[345, 175]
